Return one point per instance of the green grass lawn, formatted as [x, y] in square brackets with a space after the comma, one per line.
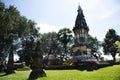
[108, 73]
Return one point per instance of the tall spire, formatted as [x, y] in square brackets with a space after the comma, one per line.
[79, 9]
[80, 20]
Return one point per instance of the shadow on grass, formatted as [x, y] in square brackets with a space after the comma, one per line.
[117, 78]
[4, 74]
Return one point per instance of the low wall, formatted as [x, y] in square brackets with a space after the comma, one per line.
[88, 67]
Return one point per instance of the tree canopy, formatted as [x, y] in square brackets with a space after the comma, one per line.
[118, 45]
[94, 45]
[109, 45]
[14, 29]
[50, 43]
[65, 38]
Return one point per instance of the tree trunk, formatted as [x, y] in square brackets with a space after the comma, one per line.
[10, 65]
[114, 59]
[65, 47]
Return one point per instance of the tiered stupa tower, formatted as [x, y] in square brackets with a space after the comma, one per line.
[81, 34]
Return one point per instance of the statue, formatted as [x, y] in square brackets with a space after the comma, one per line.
[37, 64]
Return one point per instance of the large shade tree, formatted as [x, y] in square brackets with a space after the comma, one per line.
[14, 28]
[109, 45]
[2, 49]
[9, 24]
[28, 41]
[65, 38]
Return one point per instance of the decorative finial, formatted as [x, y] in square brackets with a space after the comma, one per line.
[79, 8]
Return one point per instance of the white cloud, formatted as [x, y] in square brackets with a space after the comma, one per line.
[44, 28]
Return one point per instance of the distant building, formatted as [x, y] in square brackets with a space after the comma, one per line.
[50, 60]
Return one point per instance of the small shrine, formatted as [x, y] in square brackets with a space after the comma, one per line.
[50, 60]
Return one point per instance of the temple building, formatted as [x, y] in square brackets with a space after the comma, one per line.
[80, 30]
[82, 56]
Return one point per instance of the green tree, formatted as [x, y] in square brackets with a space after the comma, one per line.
[9, 25]
[65, 38]
[28, 51]
[2, 14]
[118, 45]
[28, 40]
[94, 45]
[109, 45]
[50, 43]
[14, 28]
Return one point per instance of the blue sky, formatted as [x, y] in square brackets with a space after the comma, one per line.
[52, 15]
